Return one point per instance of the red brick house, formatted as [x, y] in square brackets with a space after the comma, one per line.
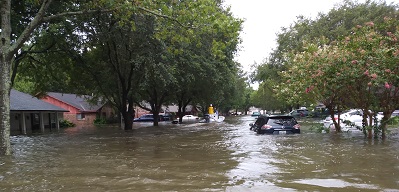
[81, 111]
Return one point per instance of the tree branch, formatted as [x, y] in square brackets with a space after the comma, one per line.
[164, 16]
[48, 18]
[37, 20]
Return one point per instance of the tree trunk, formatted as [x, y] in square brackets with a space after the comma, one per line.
[384, 121]
[5, 86]
[5, 79]
[369, 124]
[128, 121]
[180, 113]
[156, 118]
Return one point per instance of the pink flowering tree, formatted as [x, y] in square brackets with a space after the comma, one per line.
[359, 71]
[315, 75]
[373, 71]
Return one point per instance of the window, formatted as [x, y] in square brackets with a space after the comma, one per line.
[80, 116]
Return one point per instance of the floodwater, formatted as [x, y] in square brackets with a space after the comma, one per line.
[199, 157]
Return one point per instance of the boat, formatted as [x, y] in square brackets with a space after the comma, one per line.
[212, 116]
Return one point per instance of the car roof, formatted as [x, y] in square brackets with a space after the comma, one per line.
[281, 116]
[276, 116]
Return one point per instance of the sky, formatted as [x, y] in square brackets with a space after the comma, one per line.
[263, 19]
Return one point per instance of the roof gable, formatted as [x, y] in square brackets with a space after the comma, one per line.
[79, 102]
[20, 101]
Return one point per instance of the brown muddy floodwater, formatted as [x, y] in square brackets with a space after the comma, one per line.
[199, 157]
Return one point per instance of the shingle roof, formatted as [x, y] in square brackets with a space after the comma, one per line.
[24, 102]
[79, 102]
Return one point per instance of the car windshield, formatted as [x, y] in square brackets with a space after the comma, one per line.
[282, 121]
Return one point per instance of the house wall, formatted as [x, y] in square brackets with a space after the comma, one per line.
[107, 112]
[88, 120]
[139, 112]
[61, 104]
[73, 112]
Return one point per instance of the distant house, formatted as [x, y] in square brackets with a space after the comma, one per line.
[29, 114]
[81, 111]
[139, 112]
[190, 109]
[171, 109]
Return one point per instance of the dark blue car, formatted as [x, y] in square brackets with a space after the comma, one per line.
[277, 124]
[150, 118]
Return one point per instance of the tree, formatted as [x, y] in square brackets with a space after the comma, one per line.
[326, 28]
[359, 71]
[19, 21]
[117, 60]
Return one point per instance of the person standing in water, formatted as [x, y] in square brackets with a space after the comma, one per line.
[210, 109]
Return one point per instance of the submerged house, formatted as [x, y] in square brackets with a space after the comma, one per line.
[174, 109]
[170, 109]
[80, 111]
[29, 114]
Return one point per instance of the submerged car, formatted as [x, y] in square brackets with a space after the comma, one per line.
[349, 120]
[150, 118]
[276, 124]
[299, 113]
[187, 119]
[190, 118]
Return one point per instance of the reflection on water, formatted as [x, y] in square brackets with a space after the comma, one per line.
[198, 157]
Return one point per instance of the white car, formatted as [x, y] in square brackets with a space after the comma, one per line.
[189, 118]
[354, 115]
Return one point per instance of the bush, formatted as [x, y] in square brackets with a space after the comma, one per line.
[319, 128]
[100, 121]
[393, 120]
[65, 123]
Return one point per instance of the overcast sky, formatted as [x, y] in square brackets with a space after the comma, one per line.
[263, 19]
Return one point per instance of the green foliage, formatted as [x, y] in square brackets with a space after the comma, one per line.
[304, 40]
[100, 121]
[393, 121]
[65, 123]
[319, 128]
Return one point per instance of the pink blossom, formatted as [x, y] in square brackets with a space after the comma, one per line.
[354, 62]
[373, 76]
[387, 85]
[366, 72]
[362, 52]
[388, 70]
[309, 89]
[370, 24]
[389, 33]
[358, 26]
[369, 84]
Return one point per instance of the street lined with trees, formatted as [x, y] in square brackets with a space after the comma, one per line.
[123, 52]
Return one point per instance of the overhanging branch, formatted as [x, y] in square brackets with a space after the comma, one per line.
[164, 16]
